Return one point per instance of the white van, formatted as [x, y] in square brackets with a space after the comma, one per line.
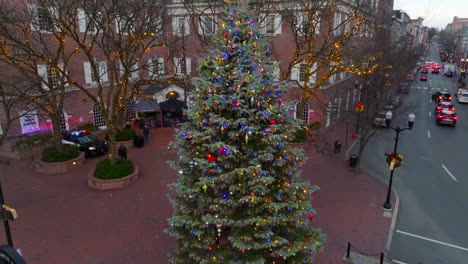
[462, 96]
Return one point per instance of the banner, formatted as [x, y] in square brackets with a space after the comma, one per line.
[29, 121]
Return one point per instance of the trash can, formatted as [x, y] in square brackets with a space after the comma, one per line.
[139, 141]
[337, 146]
[353, 161]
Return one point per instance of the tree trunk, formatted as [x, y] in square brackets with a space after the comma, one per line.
[113, 146]
[56, 129]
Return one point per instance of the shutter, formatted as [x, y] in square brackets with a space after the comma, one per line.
[313, 76]
[175, 25]
[161, 66]
[32, 9]
[62, 74]
[201, 25]
[188, 65]
[54, 14]
[186, 26]
[295, 72]
[135, 73]
[299, 16]
[151, 68]
[176, 66]
[103, 72]
[117, 25]
[42, 72]
[278, 24]
[262, 20]
[87, 72]
[81, 20]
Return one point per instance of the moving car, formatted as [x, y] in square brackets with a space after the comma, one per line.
[410, 77]
[446, 117]
[441, 97]
[423, 77]
[444, 106]
[435, 70]
[404, 87]
[86, 142]
[424, 70]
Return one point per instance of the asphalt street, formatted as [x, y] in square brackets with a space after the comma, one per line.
[432, 184]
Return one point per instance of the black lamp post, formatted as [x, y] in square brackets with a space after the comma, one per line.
[388, 118]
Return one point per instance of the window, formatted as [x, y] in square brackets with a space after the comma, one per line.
[88, 22]
[129, 111]
[181, 67]
[97, 116]
[91, 76]
[51, 76]
[304, 117]
[302, 23]
[337, 23]
[207, 25]
[180, 26]
[302, 72]
[123, 25]
[132, 72]
[271, 24]
[298, 73]
[43, 18]
[64, 122]
[156, 67]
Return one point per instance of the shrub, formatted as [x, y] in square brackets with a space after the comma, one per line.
[32, 140]
[87, 126]
[461, 84]
[300, 136]
[124, 135]
[315, 125]
[105, 171]
[54, 154]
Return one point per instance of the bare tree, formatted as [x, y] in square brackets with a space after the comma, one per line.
[34, 46]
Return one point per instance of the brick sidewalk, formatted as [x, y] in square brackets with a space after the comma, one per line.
[61, 220]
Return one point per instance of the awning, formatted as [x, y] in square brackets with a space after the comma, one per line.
[146, 106]
[172, 104]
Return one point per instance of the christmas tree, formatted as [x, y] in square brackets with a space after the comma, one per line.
[238, 198]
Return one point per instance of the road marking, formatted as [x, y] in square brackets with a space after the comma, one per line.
[425, 88]
[430, 113]
[432, 240]
[449, 173]
[398, 262]
[428, 134]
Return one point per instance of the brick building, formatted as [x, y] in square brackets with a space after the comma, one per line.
[167, 69]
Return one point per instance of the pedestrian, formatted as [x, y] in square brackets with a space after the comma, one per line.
[122, 151]
[146, 133]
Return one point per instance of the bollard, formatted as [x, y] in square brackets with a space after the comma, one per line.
[381, 257]
[348, 250]
[353, 161]
[337, 146]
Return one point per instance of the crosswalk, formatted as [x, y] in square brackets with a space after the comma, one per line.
[431, 89]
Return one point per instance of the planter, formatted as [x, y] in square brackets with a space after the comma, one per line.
[98, 184]
[59, 167]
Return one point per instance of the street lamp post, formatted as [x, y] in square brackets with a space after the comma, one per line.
[388, 118]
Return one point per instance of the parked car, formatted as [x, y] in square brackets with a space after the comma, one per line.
[449, 73]
[446, 117]
[379, 119]
[396, 100]
[87, 143]
[462, 96]
[404, 87]
[410, 77]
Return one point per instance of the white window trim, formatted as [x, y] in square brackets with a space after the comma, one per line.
[42, 72]
[34, 18]
[177, 66]
[102, 71]
[301, 16]
[156, 63]
[277, 24]
[202, 25]
[175, 26]
[83, 22]
[295, 73]
[275, 70]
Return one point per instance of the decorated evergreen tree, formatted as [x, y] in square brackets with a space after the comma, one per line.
[238, 198]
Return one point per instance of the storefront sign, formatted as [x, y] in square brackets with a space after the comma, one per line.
[29, 121]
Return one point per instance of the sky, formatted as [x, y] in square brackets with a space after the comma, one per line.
[436, 13]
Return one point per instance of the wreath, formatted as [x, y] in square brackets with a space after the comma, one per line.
[359, 107]
[396, 158]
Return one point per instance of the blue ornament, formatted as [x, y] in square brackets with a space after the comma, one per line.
[224, 195]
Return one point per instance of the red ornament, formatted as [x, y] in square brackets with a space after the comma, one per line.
[211, 158]
[311, 217]
[272, 122]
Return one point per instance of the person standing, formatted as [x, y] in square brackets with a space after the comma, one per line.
[122, 151]
[146, 133]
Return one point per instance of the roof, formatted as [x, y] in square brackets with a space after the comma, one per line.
[159, 86]
[146, 106]
[172, 104]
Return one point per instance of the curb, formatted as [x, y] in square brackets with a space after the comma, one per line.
[392, 224]
[351, 147]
